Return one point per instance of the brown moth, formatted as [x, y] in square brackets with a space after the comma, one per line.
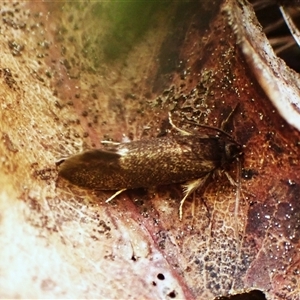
[185, 158]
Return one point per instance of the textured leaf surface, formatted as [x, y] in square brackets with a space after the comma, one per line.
[94, 71]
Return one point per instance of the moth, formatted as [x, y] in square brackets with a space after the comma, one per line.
[188, 158]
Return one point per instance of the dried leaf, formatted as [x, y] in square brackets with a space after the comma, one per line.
[98, 71]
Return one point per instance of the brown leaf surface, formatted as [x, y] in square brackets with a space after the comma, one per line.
[75, 74]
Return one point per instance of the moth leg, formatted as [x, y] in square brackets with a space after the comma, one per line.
[237, 184]
[231, 180]
[239, 192]
[183, 132]
[193, 205]
[189, 188]
[110, 143]
[115, 195]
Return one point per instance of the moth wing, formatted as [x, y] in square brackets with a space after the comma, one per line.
[99, 155]
[91, 159]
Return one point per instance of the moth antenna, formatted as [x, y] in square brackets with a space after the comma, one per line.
[224, 122]
[213, 128]
[114, 195]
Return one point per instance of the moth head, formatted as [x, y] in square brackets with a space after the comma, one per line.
[232, 151]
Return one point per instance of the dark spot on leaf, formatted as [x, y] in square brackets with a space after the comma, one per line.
[249, 173]
[252, 295]
[172, 294]
[133, 258]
